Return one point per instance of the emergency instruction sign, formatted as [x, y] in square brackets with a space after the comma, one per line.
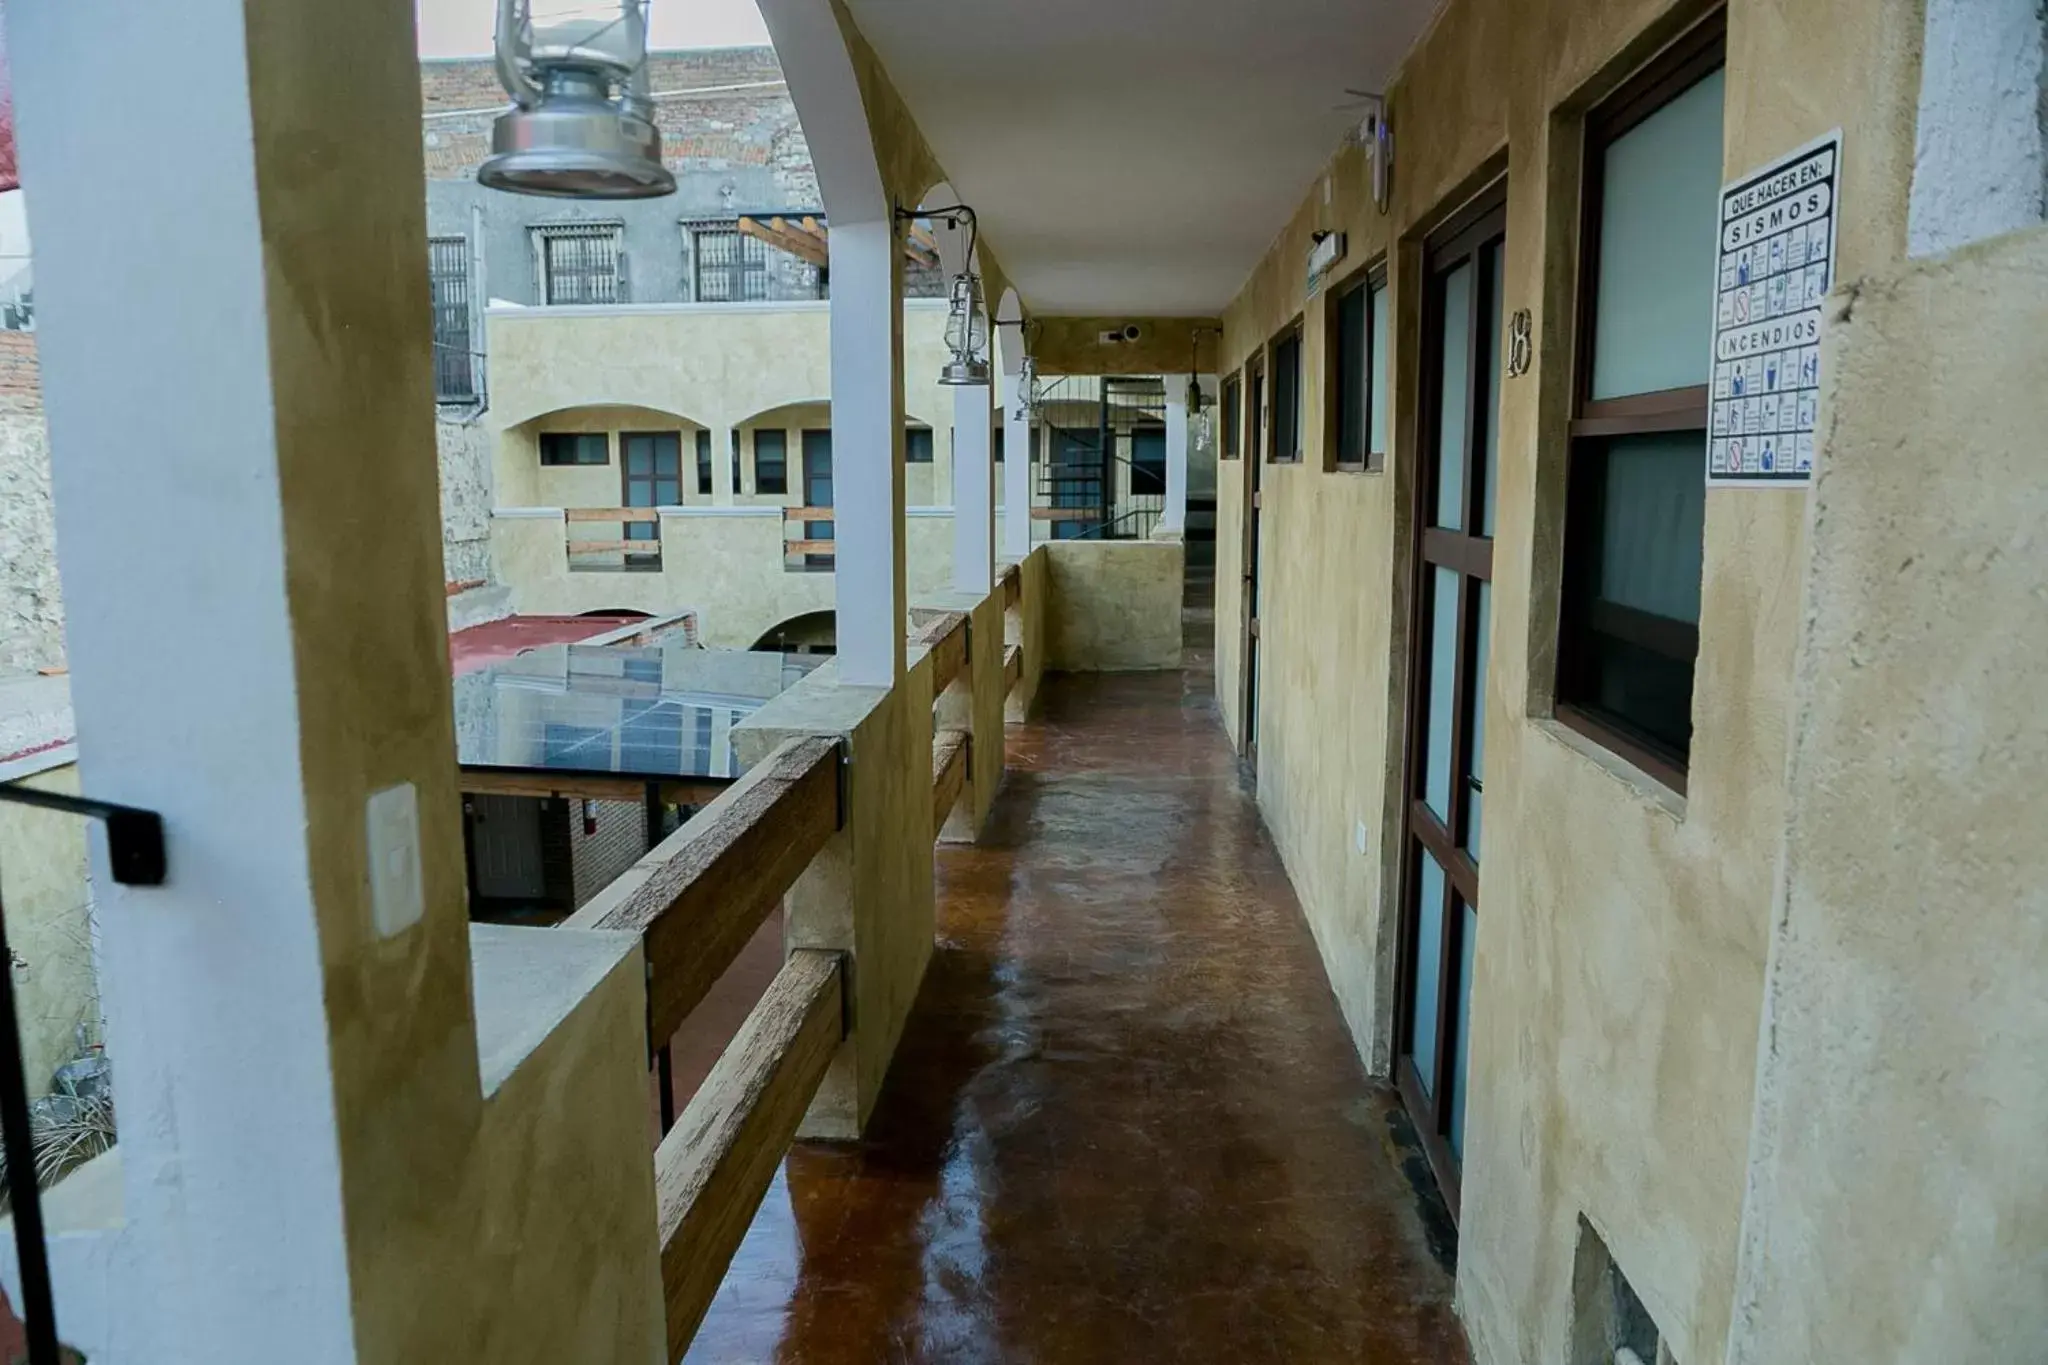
[1776, 262]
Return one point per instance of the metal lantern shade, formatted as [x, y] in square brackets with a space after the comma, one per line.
[1028, 392]
[966, 334]
[581, 125]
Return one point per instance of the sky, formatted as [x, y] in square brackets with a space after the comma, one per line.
[462, 28]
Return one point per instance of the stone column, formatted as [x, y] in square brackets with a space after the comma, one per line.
[867, 451]
[1174, 520]
[1016, 469]
[974, 508]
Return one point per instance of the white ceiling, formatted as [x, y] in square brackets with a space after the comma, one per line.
[1134, 157]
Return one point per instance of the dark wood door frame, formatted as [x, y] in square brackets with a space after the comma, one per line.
[1468, 552]
[1253, 447]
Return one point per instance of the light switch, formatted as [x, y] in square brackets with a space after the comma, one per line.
[392, 824]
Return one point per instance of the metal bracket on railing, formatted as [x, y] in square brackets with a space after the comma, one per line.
[135, 838]
[845, 780]
[135, 852]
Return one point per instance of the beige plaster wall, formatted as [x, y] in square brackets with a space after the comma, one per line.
[668, 367]
[1112, 606]
[1620, 956]
[44, 884]
[1024, 627]
[1898, 1205]
[1070, 345]
[729, 568]
[974, 703]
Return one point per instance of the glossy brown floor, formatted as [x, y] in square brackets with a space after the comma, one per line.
[1126, 1123]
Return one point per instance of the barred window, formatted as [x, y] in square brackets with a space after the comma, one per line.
[448, 285]
[580, 263]
[730, 267]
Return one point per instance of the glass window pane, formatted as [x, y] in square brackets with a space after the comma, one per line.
[1460, 1045]
[1347, 365]
[1652, 521]
[1489, 459]
[1429, 968]
[1443, 663]
[667, 492]
[1381, 340]
[1476, 721]
[1453, 402]
[639, 456]
[1660, 191]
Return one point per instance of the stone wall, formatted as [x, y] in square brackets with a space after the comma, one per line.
[465, 451]
[31, 606]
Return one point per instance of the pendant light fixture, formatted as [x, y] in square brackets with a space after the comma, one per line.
[966, 320]
[581, 125]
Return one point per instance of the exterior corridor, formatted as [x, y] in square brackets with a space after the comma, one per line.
[1125, 1122]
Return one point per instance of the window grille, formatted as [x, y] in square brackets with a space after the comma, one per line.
[580, 263]
[448, 284]
[730, 266]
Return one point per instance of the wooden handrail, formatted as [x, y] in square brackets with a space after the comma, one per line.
[809, 514]
[1013, 668]
[611, 514]
[810, 547]
[1066, 514]
[952, 752]
[1013, 587]
[714, 1166]
[946, 637]
[614, 547]
[698, 896]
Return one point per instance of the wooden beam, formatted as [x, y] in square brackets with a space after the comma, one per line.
[1013, 587]
[478, 781]
[1013, 668]
[777, 233]
[1066, 514]
[950, 756]
[698, 897]
[810, 547]
[809, 514]
[611, 514]
[946, 637]
[714, 1166]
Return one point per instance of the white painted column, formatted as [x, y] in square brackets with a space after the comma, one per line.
[974, 504]
[1016, 469]
[1174, 520]
[867, 451]
[275, 320]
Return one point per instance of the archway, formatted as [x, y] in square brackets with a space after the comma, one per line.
[813, 632]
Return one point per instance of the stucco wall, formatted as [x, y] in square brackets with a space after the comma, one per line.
[31, 607]
[727, 564]
[1112, 606]
[1620, 955]
[1898, 1153]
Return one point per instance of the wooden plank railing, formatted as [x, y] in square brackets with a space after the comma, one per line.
[952, 753]
[1013, 668]
[700, 895]
[809, 514]
[946, 636]
[714, 1166]
[1013, 587]
[620, 516]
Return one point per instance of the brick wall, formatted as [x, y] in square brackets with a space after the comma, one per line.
[704, 133]
[599, 858]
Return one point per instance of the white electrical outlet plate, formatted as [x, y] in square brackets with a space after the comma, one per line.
[392, 828]
[1360, 837]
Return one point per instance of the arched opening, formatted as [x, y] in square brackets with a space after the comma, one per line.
[814, 632]
[605, 455]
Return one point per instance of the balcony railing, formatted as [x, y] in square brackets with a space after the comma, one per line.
[613, 538]
[697, 899]
[805, 548]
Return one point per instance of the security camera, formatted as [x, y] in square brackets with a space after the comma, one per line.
[1118, 336]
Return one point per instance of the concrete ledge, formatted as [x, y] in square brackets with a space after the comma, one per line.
[526, 982]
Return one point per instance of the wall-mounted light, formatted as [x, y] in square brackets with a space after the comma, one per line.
[966, 320]
[581, 125]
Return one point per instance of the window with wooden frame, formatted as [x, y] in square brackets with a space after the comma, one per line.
[1233, 416]
[1628, 621]
[1356, 326]
[771, 460]
[574, 447]
[1286, 448]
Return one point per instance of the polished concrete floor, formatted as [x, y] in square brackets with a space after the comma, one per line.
[1126, 1123]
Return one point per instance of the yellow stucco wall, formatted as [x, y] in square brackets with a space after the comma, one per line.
[1898, 1148]
[49, 927]
[1112, 606]
[1620, 959]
